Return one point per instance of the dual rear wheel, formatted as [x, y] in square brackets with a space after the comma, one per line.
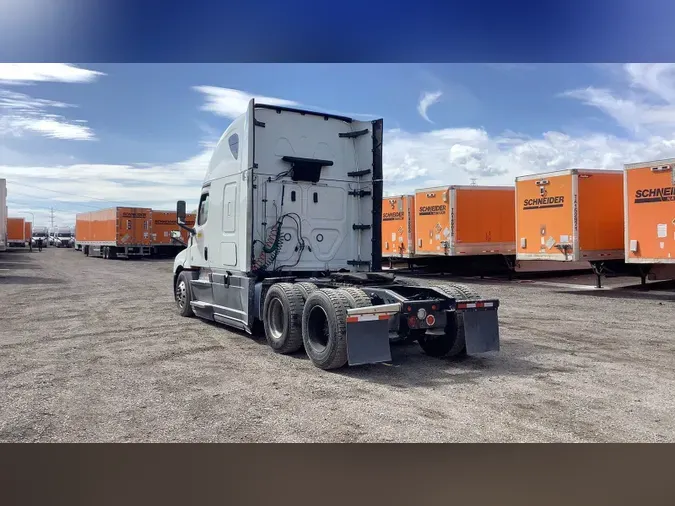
[301, 315]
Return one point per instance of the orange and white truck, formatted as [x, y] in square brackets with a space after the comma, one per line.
[398, 227]
[466, 225]
[118, 232]
[573, 215]
[164, 225]
[465, 220]
[649, 203]
[16, 232]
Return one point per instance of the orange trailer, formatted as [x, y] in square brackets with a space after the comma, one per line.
[28, 231]
[398, 226]
[573, 215]
[163, 223]
[116, 232]
[649, 202]
[465, 221]
[16, 232]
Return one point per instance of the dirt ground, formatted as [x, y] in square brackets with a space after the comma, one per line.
[93, 350]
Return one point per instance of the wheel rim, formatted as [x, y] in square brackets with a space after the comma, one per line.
[181, 294]
[317, 328]
[276, 318]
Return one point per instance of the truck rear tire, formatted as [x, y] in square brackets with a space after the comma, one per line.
[306, 288]
[183, 294]
[324, 329]
[452, 342]
[356, 297]
[282, 317]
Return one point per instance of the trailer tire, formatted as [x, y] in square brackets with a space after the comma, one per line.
[469, 292]
[324, 328]
[452, 343]
[306, 288]
[356, 297]
[282, 317]
[183, 294]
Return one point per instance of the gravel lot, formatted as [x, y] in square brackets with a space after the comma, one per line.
[92, 350]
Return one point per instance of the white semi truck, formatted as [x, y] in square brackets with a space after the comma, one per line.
[40, 233]
[64, 237]
[287, 239]
[3, 214]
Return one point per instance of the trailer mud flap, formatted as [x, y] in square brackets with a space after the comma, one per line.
[481, 330]
[367, 341]
[368, 334]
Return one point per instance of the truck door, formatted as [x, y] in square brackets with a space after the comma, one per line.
[199, 255]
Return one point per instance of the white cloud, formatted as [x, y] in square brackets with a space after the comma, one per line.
[21, 114]
[22, 73]
[84, 187]
[455, 156]
[647, 108]
[231, 103]
[428, 99]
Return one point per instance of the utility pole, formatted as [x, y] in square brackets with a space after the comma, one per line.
[51, 216]
[473, 181]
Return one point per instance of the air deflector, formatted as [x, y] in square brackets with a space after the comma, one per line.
[306, 169]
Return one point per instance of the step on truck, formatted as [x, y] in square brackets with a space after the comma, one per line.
[288, 240]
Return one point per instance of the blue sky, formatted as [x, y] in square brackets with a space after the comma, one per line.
[80, 137]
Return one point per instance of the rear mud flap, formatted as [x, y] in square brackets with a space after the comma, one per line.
[368, 341]
[481, 331]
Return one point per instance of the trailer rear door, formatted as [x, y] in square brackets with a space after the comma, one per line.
[546, 220]
[133, 226]
[650, 213]
[433, 226]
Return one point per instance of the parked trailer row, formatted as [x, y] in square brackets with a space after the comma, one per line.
[457, 227]
[620, 221]
[128, 232]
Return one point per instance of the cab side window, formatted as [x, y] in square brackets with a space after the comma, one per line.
[203, 213]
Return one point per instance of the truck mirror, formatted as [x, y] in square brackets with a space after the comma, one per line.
[180, 211]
